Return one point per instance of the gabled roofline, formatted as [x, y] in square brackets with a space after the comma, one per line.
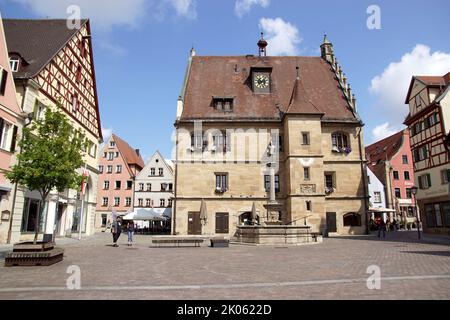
[83, 22]
[157, 153]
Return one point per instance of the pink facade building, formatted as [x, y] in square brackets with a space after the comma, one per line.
[10, 121]
[391, 161]
[119, 164]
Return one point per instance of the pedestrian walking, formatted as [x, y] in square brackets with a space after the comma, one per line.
[116, 229]
[395, 224]
[381, 227]
[130, 230]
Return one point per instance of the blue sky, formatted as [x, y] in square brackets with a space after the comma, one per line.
[141, 49]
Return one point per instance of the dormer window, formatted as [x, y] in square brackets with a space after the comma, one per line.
[223, 103]
[14, 63]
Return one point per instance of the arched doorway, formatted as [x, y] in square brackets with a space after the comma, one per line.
[352, 219]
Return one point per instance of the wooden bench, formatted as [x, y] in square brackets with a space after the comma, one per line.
[177, 242]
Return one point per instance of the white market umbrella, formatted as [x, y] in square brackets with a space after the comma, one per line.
[203, 212]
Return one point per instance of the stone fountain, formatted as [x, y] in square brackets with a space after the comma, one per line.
[273, 231]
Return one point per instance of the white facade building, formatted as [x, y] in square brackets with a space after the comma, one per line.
[376, 191]
[154, 185]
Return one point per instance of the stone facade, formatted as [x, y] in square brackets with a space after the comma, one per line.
[318, 182]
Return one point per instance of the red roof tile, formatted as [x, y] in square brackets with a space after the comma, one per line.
[379, 151]
[230, 76]
[130, 155]
[429, 81]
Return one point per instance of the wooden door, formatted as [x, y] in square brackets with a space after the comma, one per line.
[222, 222]
[331, 222]
[194, 223]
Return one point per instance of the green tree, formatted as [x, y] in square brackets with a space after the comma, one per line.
[50, 153]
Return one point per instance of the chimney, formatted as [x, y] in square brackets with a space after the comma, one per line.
[138, 152]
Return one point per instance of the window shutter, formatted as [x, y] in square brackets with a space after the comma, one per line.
[35, 109]
[2, 123]
[13, 140]
[429, 179]
[420, 182]
[3, 79]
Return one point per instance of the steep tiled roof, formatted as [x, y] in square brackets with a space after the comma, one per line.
[36, 41]
[379, 151]
[130, 155]
[300, 102]
[429, 81]
[432, 80]
[231, 76]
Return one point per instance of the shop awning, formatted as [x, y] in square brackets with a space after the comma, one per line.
[380, 210]
[146, 214]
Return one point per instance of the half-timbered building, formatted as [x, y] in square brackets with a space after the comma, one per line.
[53, 67]
[429, 122]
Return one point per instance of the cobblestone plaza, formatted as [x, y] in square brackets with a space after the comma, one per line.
[336, 269]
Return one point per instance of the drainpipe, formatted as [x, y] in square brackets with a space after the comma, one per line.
[363, 172]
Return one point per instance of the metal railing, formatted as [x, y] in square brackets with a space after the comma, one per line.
[304, 217]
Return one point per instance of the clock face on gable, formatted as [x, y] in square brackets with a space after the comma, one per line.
[261, 81]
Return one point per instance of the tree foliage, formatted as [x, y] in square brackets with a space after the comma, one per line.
[50, 154]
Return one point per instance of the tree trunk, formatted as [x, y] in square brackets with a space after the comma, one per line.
[38, 217]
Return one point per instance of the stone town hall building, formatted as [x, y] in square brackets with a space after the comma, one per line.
[237, 114]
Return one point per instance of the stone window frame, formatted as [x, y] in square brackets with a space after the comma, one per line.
[307, 142]
[224, 187]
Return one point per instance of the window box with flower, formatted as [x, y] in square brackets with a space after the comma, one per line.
[329, 190]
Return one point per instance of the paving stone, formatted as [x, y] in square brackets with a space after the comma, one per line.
[335, 269]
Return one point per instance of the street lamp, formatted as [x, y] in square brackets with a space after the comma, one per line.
[414, 192]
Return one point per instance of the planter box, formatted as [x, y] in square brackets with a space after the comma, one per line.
[30, 247]
[36, 258]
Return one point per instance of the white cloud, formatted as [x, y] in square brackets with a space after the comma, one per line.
[392, 85]
[384, 130]
[104, 13]
[184, 8]
[106, 132]
[112, 48]
[241, 7]
[283, 37]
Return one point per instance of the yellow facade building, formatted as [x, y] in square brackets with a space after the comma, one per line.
[243, 119]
